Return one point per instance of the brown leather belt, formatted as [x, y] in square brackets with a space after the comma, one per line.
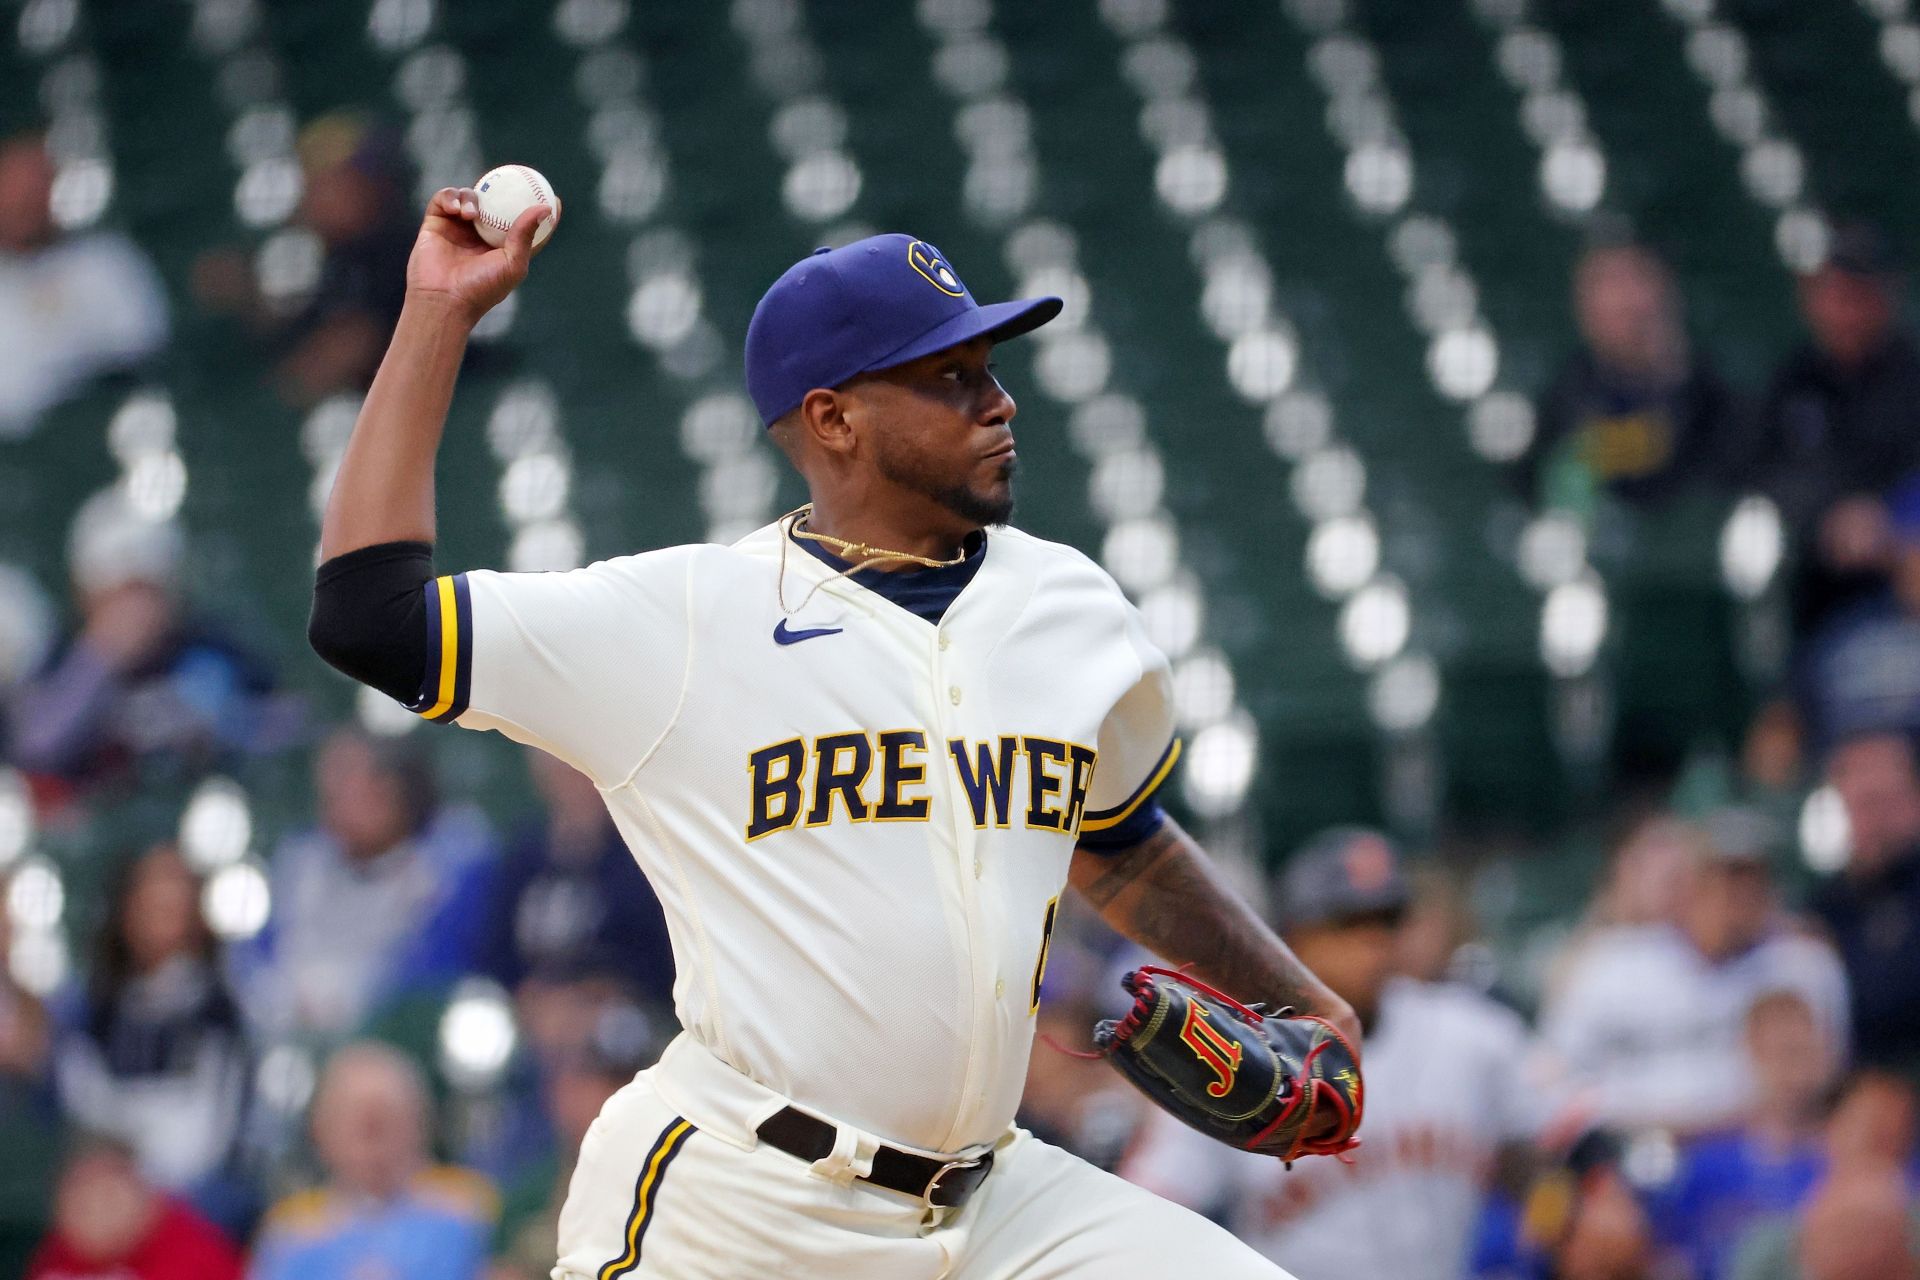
[940, 1184]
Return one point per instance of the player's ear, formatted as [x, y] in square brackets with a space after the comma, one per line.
[824, 420]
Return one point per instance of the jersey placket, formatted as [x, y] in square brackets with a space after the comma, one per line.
[984, 935]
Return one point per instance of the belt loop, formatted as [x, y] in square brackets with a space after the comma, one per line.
[851, 1157]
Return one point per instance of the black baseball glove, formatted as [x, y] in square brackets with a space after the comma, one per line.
[1278, 1084]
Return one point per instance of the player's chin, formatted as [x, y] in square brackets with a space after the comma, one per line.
[996, 507]
[1000, 476]
[983, 503]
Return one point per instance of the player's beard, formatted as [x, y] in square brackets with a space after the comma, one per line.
[985, 509]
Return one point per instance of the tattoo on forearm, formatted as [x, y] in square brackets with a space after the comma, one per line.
[1165, 895]
[1119, 870]
[1191, 912]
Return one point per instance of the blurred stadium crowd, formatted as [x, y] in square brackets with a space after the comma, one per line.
[366, 1040]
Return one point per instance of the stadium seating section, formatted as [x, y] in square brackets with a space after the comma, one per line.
[733, 180]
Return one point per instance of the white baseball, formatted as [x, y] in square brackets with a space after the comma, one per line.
[506, 193]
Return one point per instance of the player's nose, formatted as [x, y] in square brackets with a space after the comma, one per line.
[999, 408]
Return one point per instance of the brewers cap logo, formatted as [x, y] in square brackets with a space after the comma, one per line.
[934, 269]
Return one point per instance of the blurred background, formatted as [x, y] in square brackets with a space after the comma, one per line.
[1506, 414]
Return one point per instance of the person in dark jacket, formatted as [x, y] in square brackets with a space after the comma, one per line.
[1841, 422]
[357, 203]
[1872, 906]
[1635, 407]
[154, 1051]
[570, 897]
[1860, 672]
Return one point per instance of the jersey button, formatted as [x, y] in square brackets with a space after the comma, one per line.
[946, 642]
[953, 695]
[976, 868]
[1000, 987]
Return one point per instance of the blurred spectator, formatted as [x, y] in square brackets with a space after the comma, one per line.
[1870, 1158]
[155, 1054]
[1648, 871]
[578, 1083]
[71, 307]
[141, 683]
[327, 334]
[25, 1038]
[1439, 922]
[1770, 1163]
[559, 1016]
[1609, 1237]
[571, 897]
[1650, 1016]
[1872, 906]
[385, 1210]
[1861, 1225]
[1876, 1122]
[1641, 886]
[28, 1118]
[1580, 1219]
[1841, 421]
[28, 628]
[1449, 1083]
[385, 898]
[111, 1224]
[1635, 407]
[1860, 672]
[1072, 1102]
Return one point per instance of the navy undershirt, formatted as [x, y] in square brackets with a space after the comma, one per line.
[927, 593]
[923, 592]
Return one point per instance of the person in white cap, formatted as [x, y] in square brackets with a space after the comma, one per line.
[141, 682]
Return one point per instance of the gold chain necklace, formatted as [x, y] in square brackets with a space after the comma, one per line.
[862, 555]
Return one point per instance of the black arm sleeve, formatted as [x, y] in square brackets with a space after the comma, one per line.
[370, 616]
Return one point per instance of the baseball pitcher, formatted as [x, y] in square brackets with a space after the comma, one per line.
[860, 754]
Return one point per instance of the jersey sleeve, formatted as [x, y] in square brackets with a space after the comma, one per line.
[588, 665]
[1138, 749]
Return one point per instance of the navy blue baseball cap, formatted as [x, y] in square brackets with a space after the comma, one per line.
[872, 304]
[1342, 873]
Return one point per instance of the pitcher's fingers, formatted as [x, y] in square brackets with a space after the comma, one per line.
[455, 202]
[519, 245]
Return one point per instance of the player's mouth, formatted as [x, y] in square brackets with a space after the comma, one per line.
[1003, 451]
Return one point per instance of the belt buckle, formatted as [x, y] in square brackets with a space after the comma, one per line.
[927, 1200]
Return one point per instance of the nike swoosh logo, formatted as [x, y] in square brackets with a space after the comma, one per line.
[781, 635]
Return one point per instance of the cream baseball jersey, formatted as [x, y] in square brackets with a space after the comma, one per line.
[858, 822]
